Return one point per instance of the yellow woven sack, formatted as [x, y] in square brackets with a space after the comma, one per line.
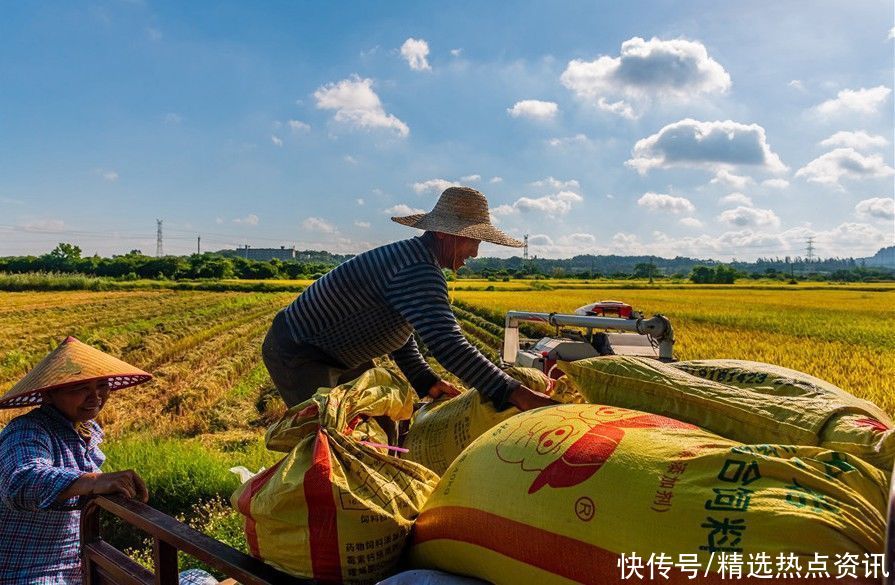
[336, 509]
[440, 430]
[742, 414]
[564, 391]
[858, 426]
[531, 377]
[558, 494]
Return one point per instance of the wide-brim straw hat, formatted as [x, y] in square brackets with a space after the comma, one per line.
[460, 211]
[71, 363]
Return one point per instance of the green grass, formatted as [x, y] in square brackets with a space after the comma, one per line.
[180, 473]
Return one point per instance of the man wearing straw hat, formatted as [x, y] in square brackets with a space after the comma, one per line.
[50, 456]
[371, 305]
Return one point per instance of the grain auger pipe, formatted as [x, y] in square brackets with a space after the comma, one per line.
[658, 328]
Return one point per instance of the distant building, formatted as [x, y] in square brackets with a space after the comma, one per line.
[264, 254]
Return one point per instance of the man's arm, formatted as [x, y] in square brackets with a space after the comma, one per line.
[419, 293]
[414, 366]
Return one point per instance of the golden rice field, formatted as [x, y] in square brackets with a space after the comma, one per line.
[843, 336]
[204, 347]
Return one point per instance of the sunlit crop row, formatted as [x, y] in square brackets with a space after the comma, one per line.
[843, 336]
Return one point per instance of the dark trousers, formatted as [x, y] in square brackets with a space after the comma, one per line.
[299, 369]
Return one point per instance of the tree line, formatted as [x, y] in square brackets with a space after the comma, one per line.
[67, 258]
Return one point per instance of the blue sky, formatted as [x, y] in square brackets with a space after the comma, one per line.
[706, 129]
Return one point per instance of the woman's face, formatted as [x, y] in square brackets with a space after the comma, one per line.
[81, 402]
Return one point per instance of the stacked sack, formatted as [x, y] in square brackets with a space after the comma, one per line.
[440, 430]
[745, 401]
[337, 507]
[559, 494]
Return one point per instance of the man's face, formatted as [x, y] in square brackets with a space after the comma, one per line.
[464, 249]
[81, 402]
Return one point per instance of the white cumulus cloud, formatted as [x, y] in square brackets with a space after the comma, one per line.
[356, 104]
[576, 140]
[829, 168]
[646, 70]
[558, 185]
[861, 101]
[690, 222]
[540, 240]
[503, 210]
[876, 208]
[736, 199]
[557, 204]
[277, 141]
[316, 224]
[250, 219]
[496, 180]
[403, 209]
[859, 140]
[359, 201]
[725, 177]
[534, 109]
[298, 126]
[775, 183]
[456, 52]
[712, 145]
[471, 179]
[415, 52]
[749, 217]
[436, 186]
[664, 202]
[581, 239]
[362, 224]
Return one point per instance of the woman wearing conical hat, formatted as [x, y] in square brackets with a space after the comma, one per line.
[50, 456]
[371, 305]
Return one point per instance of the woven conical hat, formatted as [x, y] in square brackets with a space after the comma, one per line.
[460, 211]
[68, 364]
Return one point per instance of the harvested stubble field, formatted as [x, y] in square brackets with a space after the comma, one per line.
[211, 399]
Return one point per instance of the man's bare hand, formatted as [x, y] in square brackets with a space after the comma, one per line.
[525, 398]
[442, 388]
[126, 483]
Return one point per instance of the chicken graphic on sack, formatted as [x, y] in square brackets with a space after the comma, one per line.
[568, 444]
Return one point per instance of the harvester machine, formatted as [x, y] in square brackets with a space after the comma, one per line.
[601, 328]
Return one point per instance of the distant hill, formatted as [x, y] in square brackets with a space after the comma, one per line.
[885, 258]
[607, 265]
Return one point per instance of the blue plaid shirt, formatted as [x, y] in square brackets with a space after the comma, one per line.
[41, 454]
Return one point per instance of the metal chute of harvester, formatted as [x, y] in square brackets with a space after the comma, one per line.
[601, 328]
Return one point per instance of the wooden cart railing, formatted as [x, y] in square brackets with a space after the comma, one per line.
[102, 563]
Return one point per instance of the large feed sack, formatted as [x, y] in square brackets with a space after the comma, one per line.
[337, 507]
[858, 426]
[745, 401]
[440, 430]
[559, 494]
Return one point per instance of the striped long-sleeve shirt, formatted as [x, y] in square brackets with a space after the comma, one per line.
[370, 306]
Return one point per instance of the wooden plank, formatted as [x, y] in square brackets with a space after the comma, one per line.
[164, 557]
[107, 564]
[245, 569]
